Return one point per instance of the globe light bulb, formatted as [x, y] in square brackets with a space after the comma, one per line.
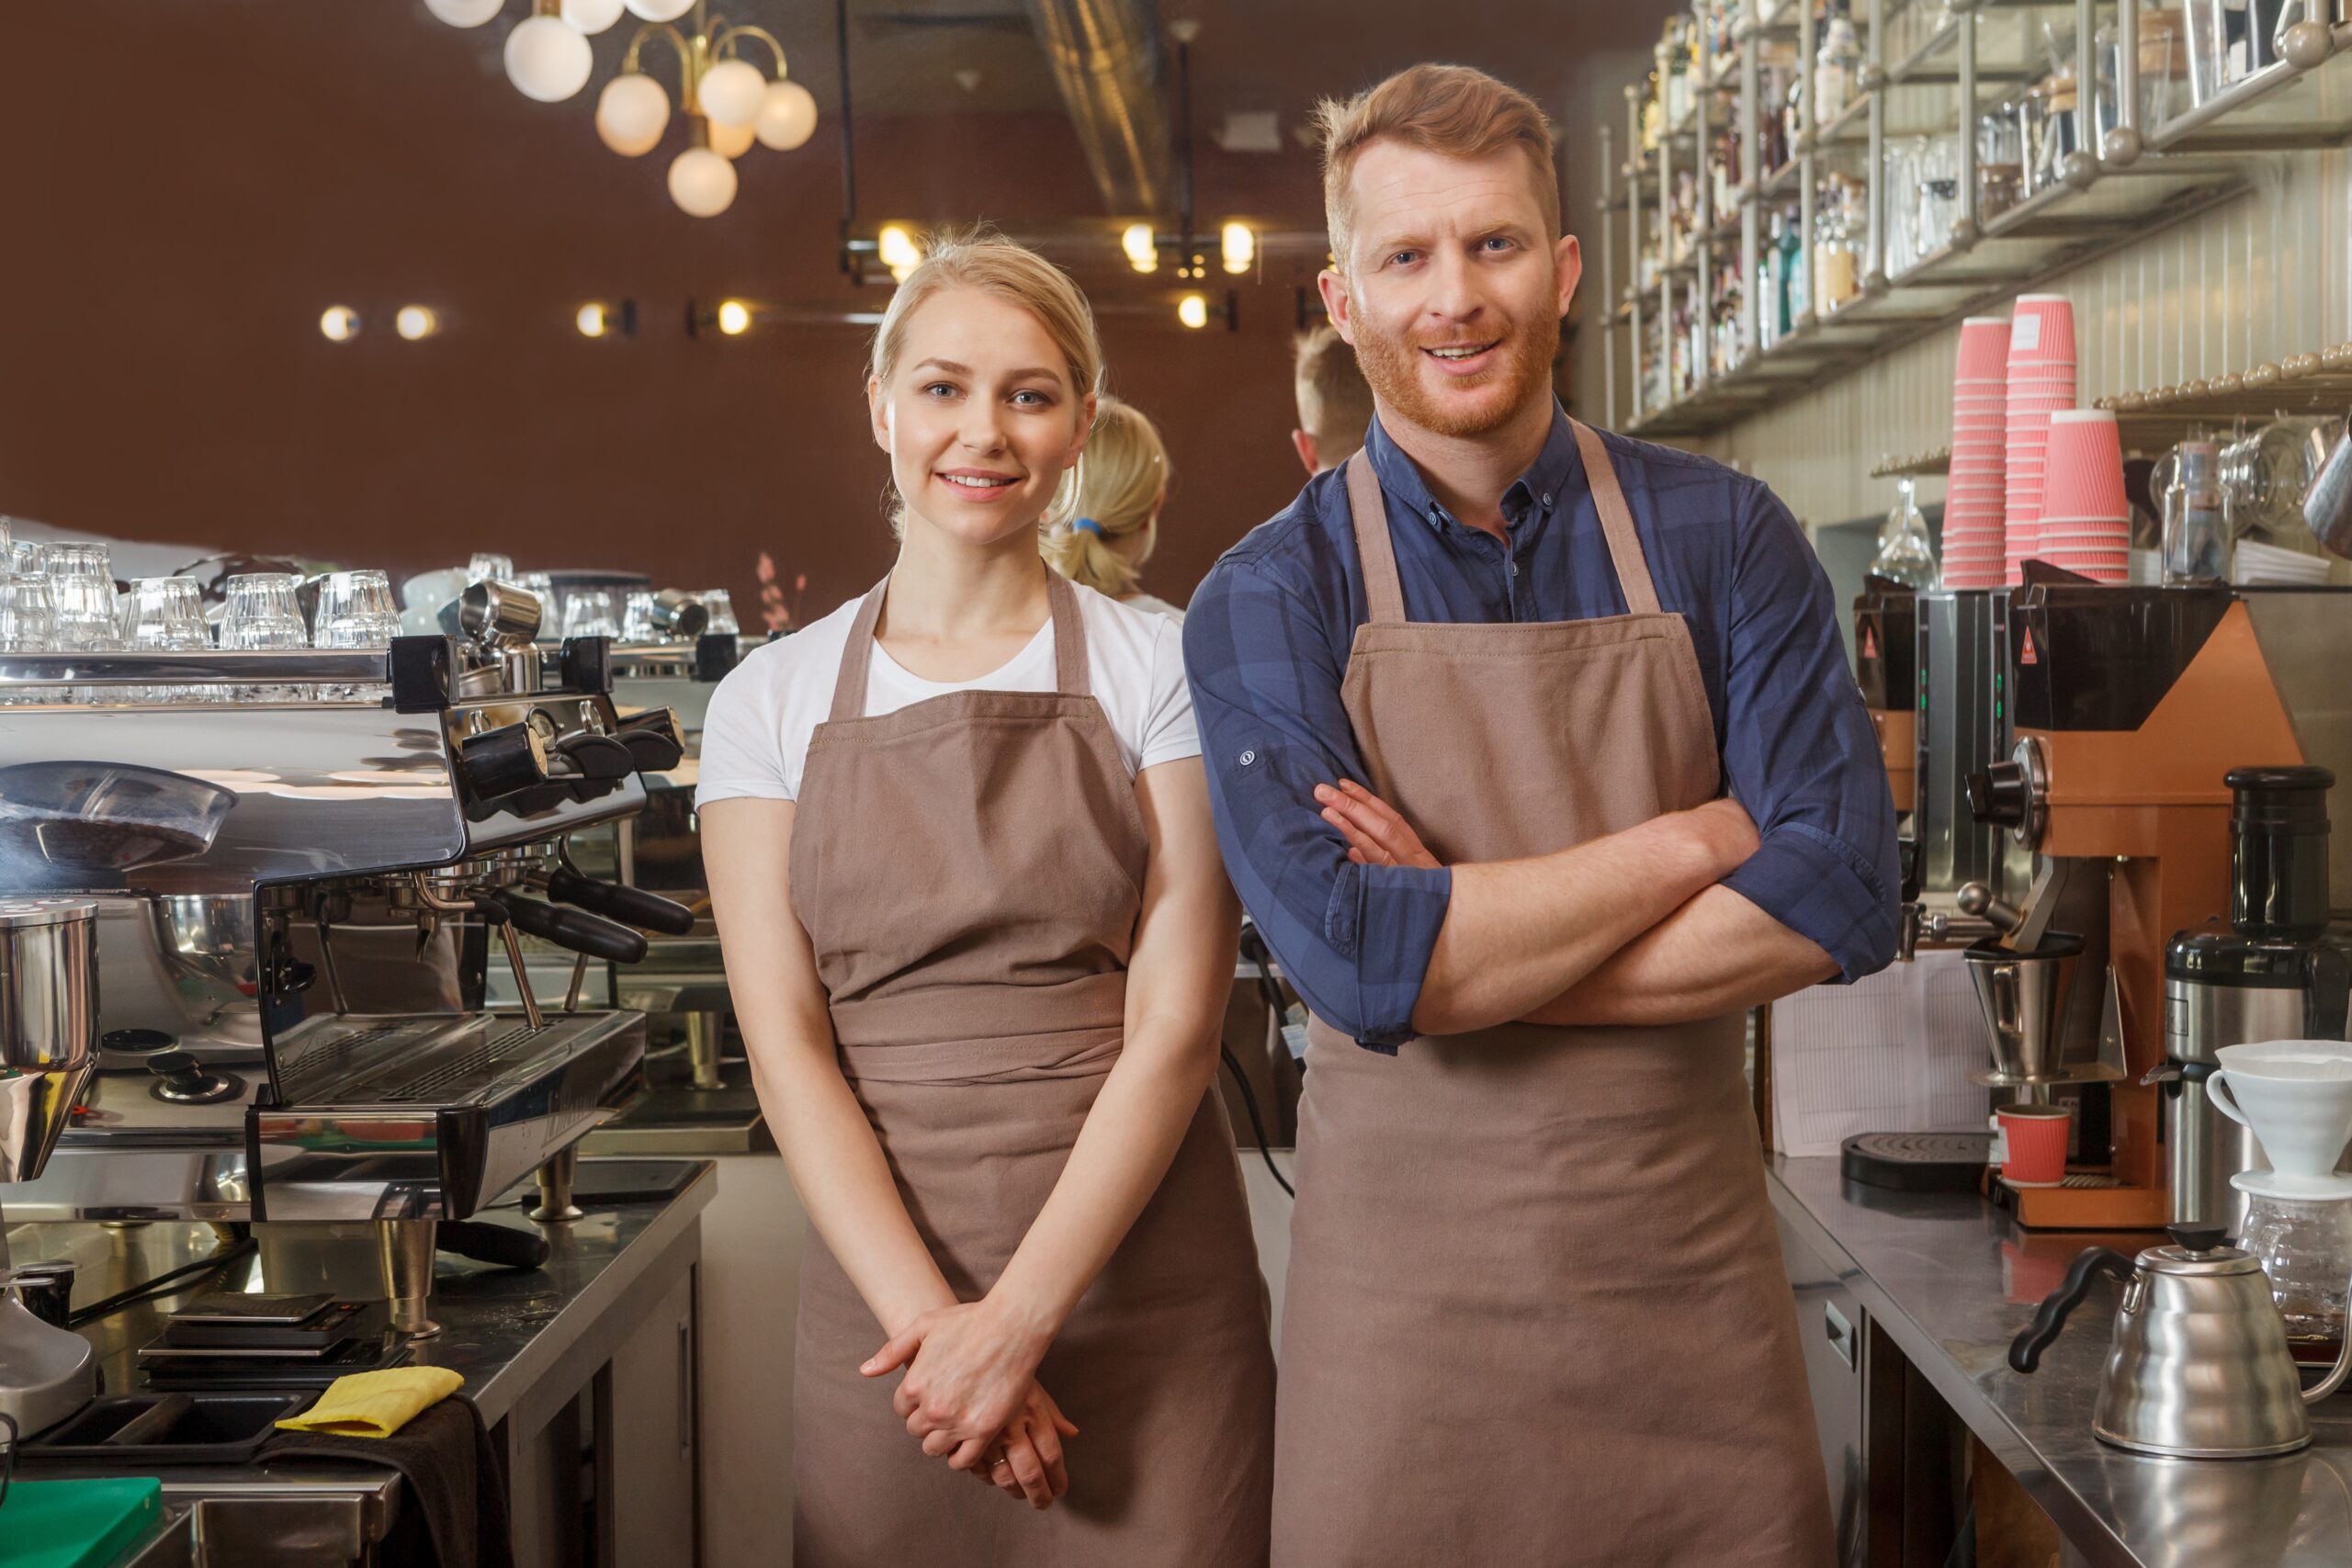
[899, 250]
[702, 182]
[1193, 312]
[339, 323]
[592, 319]
[730, 140]
[631, 114]
[415, 323]
[591, 16]
[659, 10]
[734, 316]
[1239, 246]
[1142, 254]
[547, 59]
[729, 93]
[787, 115]
[464, 13]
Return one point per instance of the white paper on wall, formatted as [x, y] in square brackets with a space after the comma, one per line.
[1889, 1054]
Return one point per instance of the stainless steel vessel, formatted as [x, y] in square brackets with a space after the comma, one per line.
[49, 1025]
[2199, 1365]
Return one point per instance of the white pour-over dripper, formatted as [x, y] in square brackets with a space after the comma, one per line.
[2295, 1095]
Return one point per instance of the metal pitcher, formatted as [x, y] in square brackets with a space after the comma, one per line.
[2199, 1365]
[48, 1024]
[2328, 505]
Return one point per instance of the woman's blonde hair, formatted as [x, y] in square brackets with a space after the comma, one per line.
[981, 258]
[1104, 545]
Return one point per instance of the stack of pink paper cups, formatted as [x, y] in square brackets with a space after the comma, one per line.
[2041, 382]
[2085, 523]
[1973, 499]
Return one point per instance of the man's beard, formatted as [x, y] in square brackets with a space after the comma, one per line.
[1392, 366]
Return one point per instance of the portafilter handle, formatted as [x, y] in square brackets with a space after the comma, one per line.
[1976, 899]
[633, 905]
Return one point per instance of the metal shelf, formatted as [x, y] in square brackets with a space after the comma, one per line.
[1918, 465]
[2278, 106]
[2153, 418]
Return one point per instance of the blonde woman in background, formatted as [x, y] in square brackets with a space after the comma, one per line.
[1123, 484]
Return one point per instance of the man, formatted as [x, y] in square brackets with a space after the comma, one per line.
[1535, 757]
[1334, 404]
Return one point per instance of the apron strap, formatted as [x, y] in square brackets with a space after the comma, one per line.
[1383, 593]
[1616, 523]
[1071, 674]
[849, 686]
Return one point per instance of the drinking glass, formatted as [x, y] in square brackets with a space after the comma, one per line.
[355, 610]
[263, 614]
[81, 589]
[550, 604]
[589, 613]
[165, 614]
[24, 556]
[27, 626]
[487, 566]
[722, 613]
[2197, 546]
[637, 621]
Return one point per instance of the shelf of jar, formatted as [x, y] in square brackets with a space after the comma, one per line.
[2152, 419]
[2009, 47]
[2281, 106]
[1918, 465]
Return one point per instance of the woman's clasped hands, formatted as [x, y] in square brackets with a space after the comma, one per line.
[971, 1397]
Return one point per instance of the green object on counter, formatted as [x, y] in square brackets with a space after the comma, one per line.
[77, 1524]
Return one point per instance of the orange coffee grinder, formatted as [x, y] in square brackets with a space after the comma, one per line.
[2129, 705]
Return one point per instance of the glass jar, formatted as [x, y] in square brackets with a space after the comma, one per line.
[1906, 554]
[2305, 1246]
[2197, 539]
[1837, 69]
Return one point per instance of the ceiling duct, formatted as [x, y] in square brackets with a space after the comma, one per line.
[1101, 55]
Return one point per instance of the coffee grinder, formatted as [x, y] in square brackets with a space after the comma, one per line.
[1886, 667]
[2269, 972]
[2130, 706]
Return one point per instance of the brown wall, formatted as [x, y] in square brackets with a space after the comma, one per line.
[163, 263]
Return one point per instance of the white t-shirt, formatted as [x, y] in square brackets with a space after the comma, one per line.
[755, 735]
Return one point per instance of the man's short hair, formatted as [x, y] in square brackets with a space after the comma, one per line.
[1334, 403]
[1452, 109]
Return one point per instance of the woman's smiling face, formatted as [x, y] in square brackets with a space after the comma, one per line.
[980, 415]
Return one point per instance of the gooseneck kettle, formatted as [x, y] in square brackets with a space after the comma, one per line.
[2198, 1367]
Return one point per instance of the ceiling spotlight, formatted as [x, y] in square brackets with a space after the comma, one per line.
[899, 250]
[415, 322]
[734, 316]
[1240, 245]
[339, 323]
[606, 318]
[1143, 253]
[1192, 309]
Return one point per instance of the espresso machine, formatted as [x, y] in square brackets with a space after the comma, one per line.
[303, 866]
[2130, 706]
[2272, 971]
[1886, 666]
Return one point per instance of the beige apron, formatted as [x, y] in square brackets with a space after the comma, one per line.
[1536, 1314]
[970, 871]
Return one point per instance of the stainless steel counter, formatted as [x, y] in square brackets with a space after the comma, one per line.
[1952, 1283]
[525, 1342]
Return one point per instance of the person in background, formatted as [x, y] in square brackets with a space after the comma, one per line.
[1334, 403]
[1123, 484]
[1538, 762]
[979, 942]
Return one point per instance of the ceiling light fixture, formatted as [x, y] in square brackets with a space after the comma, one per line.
[897, 247]
[1192, 309]
[415, 323]
[729, 101]
[339, 323]
[734, 316]
[1239, 244]
[1143, 250]
[606, 318]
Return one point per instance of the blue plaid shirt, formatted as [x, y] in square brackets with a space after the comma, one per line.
[1266, 643]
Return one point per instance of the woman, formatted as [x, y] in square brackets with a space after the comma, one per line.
[980, 941]
[1124, 483]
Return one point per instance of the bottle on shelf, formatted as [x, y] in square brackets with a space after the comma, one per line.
[1836, 67]
[1791, 279]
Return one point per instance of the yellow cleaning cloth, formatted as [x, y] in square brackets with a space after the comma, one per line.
[376, 1404]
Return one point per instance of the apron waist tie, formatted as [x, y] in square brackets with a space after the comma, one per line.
[987, 1032]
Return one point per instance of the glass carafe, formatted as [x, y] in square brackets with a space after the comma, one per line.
[2305, 1246]
[1906, 554]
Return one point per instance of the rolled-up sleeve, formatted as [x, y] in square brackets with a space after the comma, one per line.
[1800, 754]
[1353, 940]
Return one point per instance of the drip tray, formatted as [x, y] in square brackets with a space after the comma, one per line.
[360, 1059]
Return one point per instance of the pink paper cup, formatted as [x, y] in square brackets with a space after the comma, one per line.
[1984, 348]
[2085, 473]
[2042, 330]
